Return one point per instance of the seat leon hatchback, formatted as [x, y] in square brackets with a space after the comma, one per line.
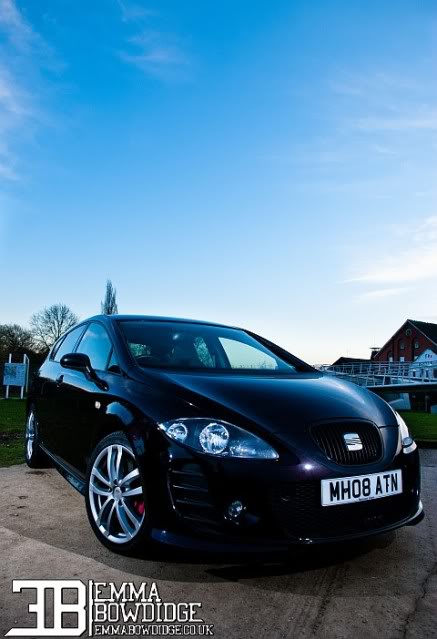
[210, 437]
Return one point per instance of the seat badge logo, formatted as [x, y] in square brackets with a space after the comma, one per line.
[352, 441]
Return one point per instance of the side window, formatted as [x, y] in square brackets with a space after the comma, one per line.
[68, 343]
[96, 344]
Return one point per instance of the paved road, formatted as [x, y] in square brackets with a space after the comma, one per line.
[386, 587]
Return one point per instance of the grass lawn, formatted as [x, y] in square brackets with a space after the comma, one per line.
[423, 426]
[12, 418]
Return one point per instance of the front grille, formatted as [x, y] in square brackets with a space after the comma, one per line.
[191, 498]
[298, 512]
[330, 438]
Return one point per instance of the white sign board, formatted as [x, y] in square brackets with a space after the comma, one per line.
[14, 375]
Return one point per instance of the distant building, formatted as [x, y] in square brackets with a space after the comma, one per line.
[412, 340]
[427, 358]
[348, 360]
[420, 366]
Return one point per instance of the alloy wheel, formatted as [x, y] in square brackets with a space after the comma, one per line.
[30, 434]
[116, 494]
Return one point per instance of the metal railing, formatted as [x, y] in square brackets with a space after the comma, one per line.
[384, 373]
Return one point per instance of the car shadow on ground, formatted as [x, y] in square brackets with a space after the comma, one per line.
[188, 566]
[56, 516]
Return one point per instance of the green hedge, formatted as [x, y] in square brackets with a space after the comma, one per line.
[423, 426]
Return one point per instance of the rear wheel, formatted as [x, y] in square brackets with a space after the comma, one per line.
[115, 496]
[34, 456]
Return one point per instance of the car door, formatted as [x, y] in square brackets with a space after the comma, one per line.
[83, 399]
[50, 408]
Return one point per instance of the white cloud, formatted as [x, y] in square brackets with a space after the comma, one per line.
[14, 101]
[374, 85]
[380, 294]
[133, 12]
[15, 112]
[22, 52]
[426, 231]
[377, 133]
[416, 120]
[383, 150]
[17, 29]
[413, 257]
[386, 101]
[153, 54]
[152, 51]
[408, 265]
[7, 171]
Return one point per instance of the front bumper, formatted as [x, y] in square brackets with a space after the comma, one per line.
[250, 545]
[282, 504]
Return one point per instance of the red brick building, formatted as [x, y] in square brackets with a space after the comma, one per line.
[409, 341]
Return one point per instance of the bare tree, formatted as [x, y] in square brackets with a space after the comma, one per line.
[109, 304]
[50, 323]
[15, 339]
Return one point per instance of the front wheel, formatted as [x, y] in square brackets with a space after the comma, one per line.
[115, 496]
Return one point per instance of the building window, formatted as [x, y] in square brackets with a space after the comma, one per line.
[416, 344]
[401, 345]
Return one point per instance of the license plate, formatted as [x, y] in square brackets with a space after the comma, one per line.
[361, 488]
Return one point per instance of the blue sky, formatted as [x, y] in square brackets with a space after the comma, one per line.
[266, 164]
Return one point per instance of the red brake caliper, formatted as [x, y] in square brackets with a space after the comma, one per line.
[139, 506]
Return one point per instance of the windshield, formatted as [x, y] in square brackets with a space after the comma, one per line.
[186, 346]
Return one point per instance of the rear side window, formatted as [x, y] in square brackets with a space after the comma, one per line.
[97, 345]
[68, 343]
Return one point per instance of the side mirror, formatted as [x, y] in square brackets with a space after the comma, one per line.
[81, 362]
[76, 361]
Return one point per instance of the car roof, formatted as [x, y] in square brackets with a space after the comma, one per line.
[153, 318]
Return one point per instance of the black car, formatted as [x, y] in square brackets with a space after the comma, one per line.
[211, 437]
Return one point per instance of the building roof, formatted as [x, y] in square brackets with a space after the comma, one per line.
[427, 328]
[348, 360]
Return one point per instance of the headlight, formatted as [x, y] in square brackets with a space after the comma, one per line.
[408, 443]
[217, 438]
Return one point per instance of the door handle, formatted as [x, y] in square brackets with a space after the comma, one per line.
[59, 380]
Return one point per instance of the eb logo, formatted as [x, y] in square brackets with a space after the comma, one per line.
[57, 587]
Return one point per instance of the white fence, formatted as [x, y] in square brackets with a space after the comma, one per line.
[384, 373]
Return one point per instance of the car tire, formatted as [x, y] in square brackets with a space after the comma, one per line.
[115, 496]
[33, 455]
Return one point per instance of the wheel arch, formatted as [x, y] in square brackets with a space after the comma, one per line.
[129, 420]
